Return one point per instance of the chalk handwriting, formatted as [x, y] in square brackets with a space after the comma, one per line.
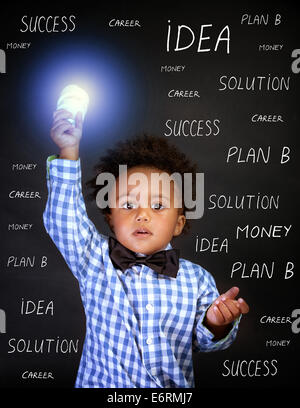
[19, 227]
[25, 261]
[39, 307]
[215, 244]
[260, 19]
[250, 368]
[244, 202]
[24, 166]
[184, 31]
[47, 24]
[255, 83]
[260, 270]
[193, 127]
[43, 346]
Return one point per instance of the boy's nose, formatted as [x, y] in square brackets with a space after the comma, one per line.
[142, 215]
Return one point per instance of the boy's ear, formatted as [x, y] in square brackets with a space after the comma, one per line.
[181, 220]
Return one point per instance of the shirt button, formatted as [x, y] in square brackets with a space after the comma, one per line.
[149, 341]
[149, 307]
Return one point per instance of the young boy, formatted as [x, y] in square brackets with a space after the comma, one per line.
[146, 308]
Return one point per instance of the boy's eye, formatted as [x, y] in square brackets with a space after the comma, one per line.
[157, 206]
[128, 205]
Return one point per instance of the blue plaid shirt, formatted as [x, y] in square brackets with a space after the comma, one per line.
[141, 327]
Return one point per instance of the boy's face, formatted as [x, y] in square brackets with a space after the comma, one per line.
[147, 221]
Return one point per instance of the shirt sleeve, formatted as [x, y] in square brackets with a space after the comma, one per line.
[65, 217]
[202, 337]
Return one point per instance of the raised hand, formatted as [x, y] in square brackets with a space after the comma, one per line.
[65, 135]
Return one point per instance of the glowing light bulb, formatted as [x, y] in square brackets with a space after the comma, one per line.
[74, 99]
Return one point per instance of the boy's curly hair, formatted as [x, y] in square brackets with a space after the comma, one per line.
[144, 150]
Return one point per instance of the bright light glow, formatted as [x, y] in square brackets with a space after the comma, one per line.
[116, 89]
[74, 99]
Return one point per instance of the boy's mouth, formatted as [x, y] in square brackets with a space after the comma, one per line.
[142, 232]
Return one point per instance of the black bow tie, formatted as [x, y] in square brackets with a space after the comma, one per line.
[165, 262]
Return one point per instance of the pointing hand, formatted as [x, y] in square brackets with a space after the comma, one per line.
[225, 309]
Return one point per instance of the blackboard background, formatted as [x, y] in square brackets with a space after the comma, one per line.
[139, 102]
